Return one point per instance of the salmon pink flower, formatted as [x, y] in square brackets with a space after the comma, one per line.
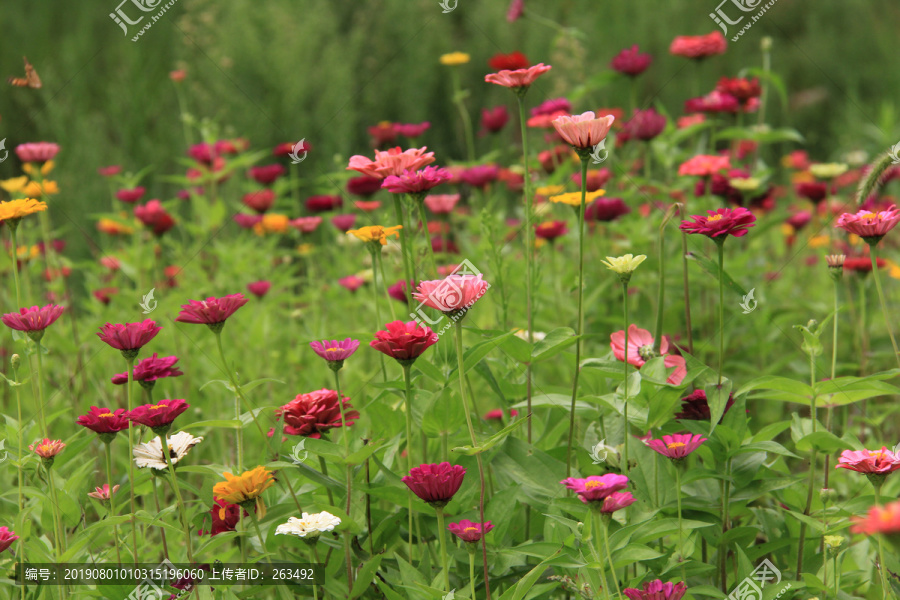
[306, 224]
[509, 62]
[130, 196]
[105, 422]
[453, 295]
[596, 487]
[267, 174]
[47, 449]
[640, 350]
[552, 107]
[392, 162]
[334, 351]
[351, 282]
[368, 206]
[657, 590]
[33, 321]
[617, 501]
[494, 119]
[416, 182]
[7, 538]
[880, 519]
[704, 165]
[718, 224]
[212, 312]
[698, 47]
[102, 493]
[315, 413]
[148, 370]
[436, 484]
[583, 131]
[518, 79]
[469, 531]
[160, 416]
[441, 204]
[259, 288]
[677, 446]
[259, 201]
[870, 226]
[689, 120]
[631, 62]
[404, 342]
[874, 464]
[129, 338]
[37, 151]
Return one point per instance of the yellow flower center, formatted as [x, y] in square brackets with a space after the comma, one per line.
[877, 454]
[332, 349]
[44, 448]
[157, 406]
[675, 445]
[870, 216]
[593, 484]
[109, 414]
[475, 529]
[714, 218]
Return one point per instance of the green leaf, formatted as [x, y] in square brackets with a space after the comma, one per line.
[366, 575]
[717, 397]
[793, 388]
[493, 440]
[222, 423]
[526, 583]
[477, 352]
[712, 268]
[555, 342]
[823, 441]
[429, 370]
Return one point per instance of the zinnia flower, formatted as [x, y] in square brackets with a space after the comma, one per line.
[416, 182]
[225, 517]
[391, 162]
[435, 483]
[494, 119]
[412, 130]
[624, 265]
[306, 224]
[704, 165]
[640, 350]
[376, 233]
[452, 295]
[518, 78]
[695, 407]
[130, 337]
[469, 531]
[335, 352]
[606, 209]
[870, 226]
[212, 312]
[7, 537]
[105, 422]
[309, 526]
[721, 223]
[245, 489]
[441, 204]
[657, 590]
[159, 416]
[631, 62]
[875, 464]
[583, 131]
[33, 320]
[315, 413]
[351, 282]
[266, 175]
[47, 449]
[596, 487]
[404, 342]
[363, 185]
[148, 370]
[643, 125]
[150, 454]
[259, 288]
[480, 176]
[453, 59]
[154, 216]
[132, 195]
[323, 203]
[508, 62]
[617, 501]
[677, 446]
[37, 151]
[15, 210]
[102, 493]
[714, 102]
[574, 198]
[880, 519]
[259, 201]
[698, 47]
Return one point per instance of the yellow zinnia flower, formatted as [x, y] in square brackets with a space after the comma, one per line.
[624, 264]
[376, 233]
[550, 190]
[16, 209]
[819, 241]
[45, 168]
[574, 198]
[455, 58]
[113, 227]
[245, 488]
[305, 249]
[16, 184]
[272, 223]
[43, 188]
[27, 252]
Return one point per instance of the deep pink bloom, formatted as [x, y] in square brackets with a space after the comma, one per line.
[657, 590]
[7, 538]
[799, 220]
[404, 342]
[306, 224]
[416, 182]
[130, 196]
[722, 222]
[129, 336]
[677, 446]
[714, 102]
[363, 185]
[36, 318]
[259, 288]
[631, 62]
[343, 222]
[550, 230]
[640, 350]
[509, 62]
[689, 120]
[411, 130]
[335, 351]
[451, 294]
[552, 107]
[324, 203]
[870, 462]
[267, 174]
[383, 134]
[494, 119]
[695, 407]
[212, 310]
[606, 209]
[596, 487]
[104, 420]
[469, 531]
[741, 88]
[699, 47]
[247, 221]
[596, 179]
[391, 162]
[441, 204]
[398, 290]
[480, 176]
[520, 78]
[813, 191]
[154, 216]
[704, 165]
[644, 125]
[435, 483]
[159, 415]
[287, 148]
[516, 8]
[315, 413]
[497, 414]
[37, 151]
[870, 226]
[151, 369]
[259, 201]
[109, 171]
[616, 501]
[585, 130]
[351, 282]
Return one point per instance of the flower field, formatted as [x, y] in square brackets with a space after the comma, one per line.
[535, 344]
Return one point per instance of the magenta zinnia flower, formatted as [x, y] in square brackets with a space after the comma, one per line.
[469, 531]
[404, 342]
[616, 501]
[37, 151]
[657, 590]
[640, 350]
[104, 421]
[453, 294]
[520, 78]
[129, 337]
[721, 223]
[583, 131]
[159, 416]
[870, 226]
[150, 369]
[259, 288]
[677, 446]
[130, 196]
[33, 320]
[870, 462]
[435, 483]
[596, 487]
[644, 125]
[335, 352]
[416, 182]
[313, 414]
[212, 311]
[7, 537]
[631, 62]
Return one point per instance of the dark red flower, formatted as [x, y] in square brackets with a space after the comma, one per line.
[151, 369]
[696, 408]
[323, 203]
[714, 102]
[813, 191]
[363, 185]
[631, 62]
[435, 483]
[287, 148]
[509, 62]
[104, 420]
[105, 295]
[212, 310]
[550, 230]
[129, 336]
[154, 216]
[643, 125]
[158, 416]
[404, 342]
[606, 209]
[259, 201]
[225, 517]
[267, 174]
[315, 413]
[130, 196]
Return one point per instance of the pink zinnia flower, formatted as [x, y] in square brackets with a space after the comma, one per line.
[452, 294]
[813, 191]
[704, 165]
[640, 350]
[351, 282]
[104, 421]
[343, 222]
[606, 209]
[404, 342]
[306, 224]
[494, 119]
[552, 107]
[722, 222]
[259, 201]
[363, 185]
[398, 290]
[33, 320]
[323, 203]
[130, 196]
[441, 204]
[416, 182]
[267, 174]
[411, 130]
[315, 413]
[497, 414]
[334, 351]
[657, 590]
[435, 483]
[480, 176]
[644, 125]
[159, 416]
[154, 216]
[515, 11]
[585, 130]
[259, 288]
[596, 487]
[871, 462]
[47, 448]
[109, 171]
[247, 221]
[617, 501]
[211, 311]
[469, 531]
[129, 337]
[677, 446]
[7, 537]
[699, 47]
[870, 226]
[631, 62]
[714, 102]
[37, 151]
[520, 78]
[596, 179]
[102, 493]
[392, 162]
[150, 369]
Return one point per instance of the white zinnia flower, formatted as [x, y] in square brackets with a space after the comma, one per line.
[309, 526]
[522, 334]
[150, 454]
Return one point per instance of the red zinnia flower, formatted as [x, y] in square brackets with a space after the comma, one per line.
[596, 487]
[698, 47]
[7, 537]
[813, 191]
[631, 62]
[212, 310]
[259, 288]
[644, 125]
[596, 179]
[550, 230]
[259, 201]
[104, 420]
[404, 342]
[33, 320]
[267, 174]
[225, 517]
[497, 414]
[695, 407]
[159, 416]
[714, 102]
[315, 413]
[109, 171]
[741, 88]
[383, 134]
[363, 185]
[721, 222]
[606, 209]
[131, 196]
[287, 148]
[129, 337]
[435, 483]
[657, 590]
[323, 203]
[884, 520]
[517, 78]
[509, 62]
[469, 531]
[411, 130]
[150, 369]
[154, 216]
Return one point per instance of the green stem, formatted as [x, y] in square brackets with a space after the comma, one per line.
[625, 383]
[57, 523]
[464, 114]
[162, 530]
[262, 542]
[442, 537]
[472, 572]
[580, 325]
[20, 464]
[884, 310]
[680, 521]
[349, 478]
[462, 391]
[612, 567]
[378, 321]
[129, 362]
[384, 284]
[812, 467]
[324, 466]
[720, 242]
[181, 508]
[240, 435]
[835, 574]
[592, 526]
[409, 462]
[529, 252]
[881, 564]
[420, 204]
[112, 501]
[40, 387]
[404, 249]
[687, 288]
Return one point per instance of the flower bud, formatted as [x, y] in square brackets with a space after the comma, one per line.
[15, 361]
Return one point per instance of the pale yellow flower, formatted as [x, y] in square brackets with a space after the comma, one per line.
[625, 264]
[828, 170]
[455, 58]
[747, 184]
[833, 541]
